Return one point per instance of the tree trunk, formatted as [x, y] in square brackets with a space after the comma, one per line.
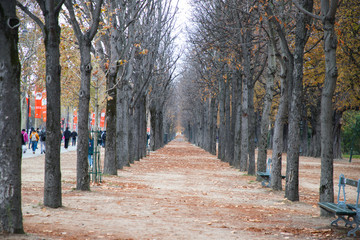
[110, 147]
[82, 175]
[244, 125]
[213, 124]
[160, 127]
[136, 128]
[252, 124]
[122, 128]
[262, 147]
[131, 136]
[229, 141]
[292, 169]
[153, 128]
[337, 135]
[247, 81]
[237, 137]
[52, 188]
[315, 140]
[304, 129]
[327, 157]
[10, 151]
[278, 133]
[221, 137]
[142, 132]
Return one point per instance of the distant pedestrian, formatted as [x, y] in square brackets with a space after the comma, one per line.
[42, 136]
[24, 140]
[31, 131]
[103, 138]
[34, 137]
[99, 140]
[91, 150]
[66, 135]
[73, 138]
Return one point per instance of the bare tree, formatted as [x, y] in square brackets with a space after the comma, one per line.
[84, 40]
[51, 32]
[292, 168]
[10, 151]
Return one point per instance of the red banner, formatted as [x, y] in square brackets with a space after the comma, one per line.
[38, 108]
[43, 105]
[75, 119]
[102, 119]
[93, 119]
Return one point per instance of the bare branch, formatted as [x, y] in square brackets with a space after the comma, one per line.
[301, 9]
[32, 16]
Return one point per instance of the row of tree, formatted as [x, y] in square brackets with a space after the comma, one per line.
[266, 74]
[129, 43]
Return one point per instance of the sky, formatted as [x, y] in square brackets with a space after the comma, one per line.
[183, 20]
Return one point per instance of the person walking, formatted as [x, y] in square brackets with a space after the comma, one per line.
[91, 150]
[31, 131]
[103, 138]
[42, 141]
[66, 135]
[24, 140]
[73, 138]
[34, 137]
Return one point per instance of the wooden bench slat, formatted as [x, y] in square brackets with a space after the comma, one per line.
[351, 206]
[333, 207]
[263, 174]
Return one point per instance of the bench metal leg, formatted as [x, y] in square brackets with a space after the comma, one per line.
[356, 222]
[353, 231]
[335, 222]
[348, 221]
[265, 183]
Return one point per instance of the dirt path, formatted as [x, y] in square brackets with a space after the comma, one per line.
[178, 192]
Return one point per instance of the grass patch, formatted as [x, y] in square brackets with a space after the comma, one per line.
[348, 156]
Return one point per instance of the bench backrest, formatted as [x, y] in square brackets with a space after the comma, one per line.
[347, 181]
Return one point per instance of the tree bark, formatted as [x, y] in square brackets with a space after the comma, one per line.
[315, 140]
[278, 134]
[331, 73]
[292, 169]
[234, 90]
[337, 135]
[213, 124]
[10, 122]
[221, 145]
[244, 126]
[52, 188]
[82, 167]
[262, 147]
[122, 128]
[304, 129]
[229, 154]
[113, 71]
[252, 124]
[237, 137]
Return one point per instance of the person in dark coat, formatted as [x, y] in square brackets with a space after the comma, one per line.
[73, 138]
[91, 150]
[103, 138]
[67, 135]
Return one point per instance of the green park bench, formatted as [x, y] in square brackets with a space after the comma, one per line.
[266, 176]
[349, 213]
